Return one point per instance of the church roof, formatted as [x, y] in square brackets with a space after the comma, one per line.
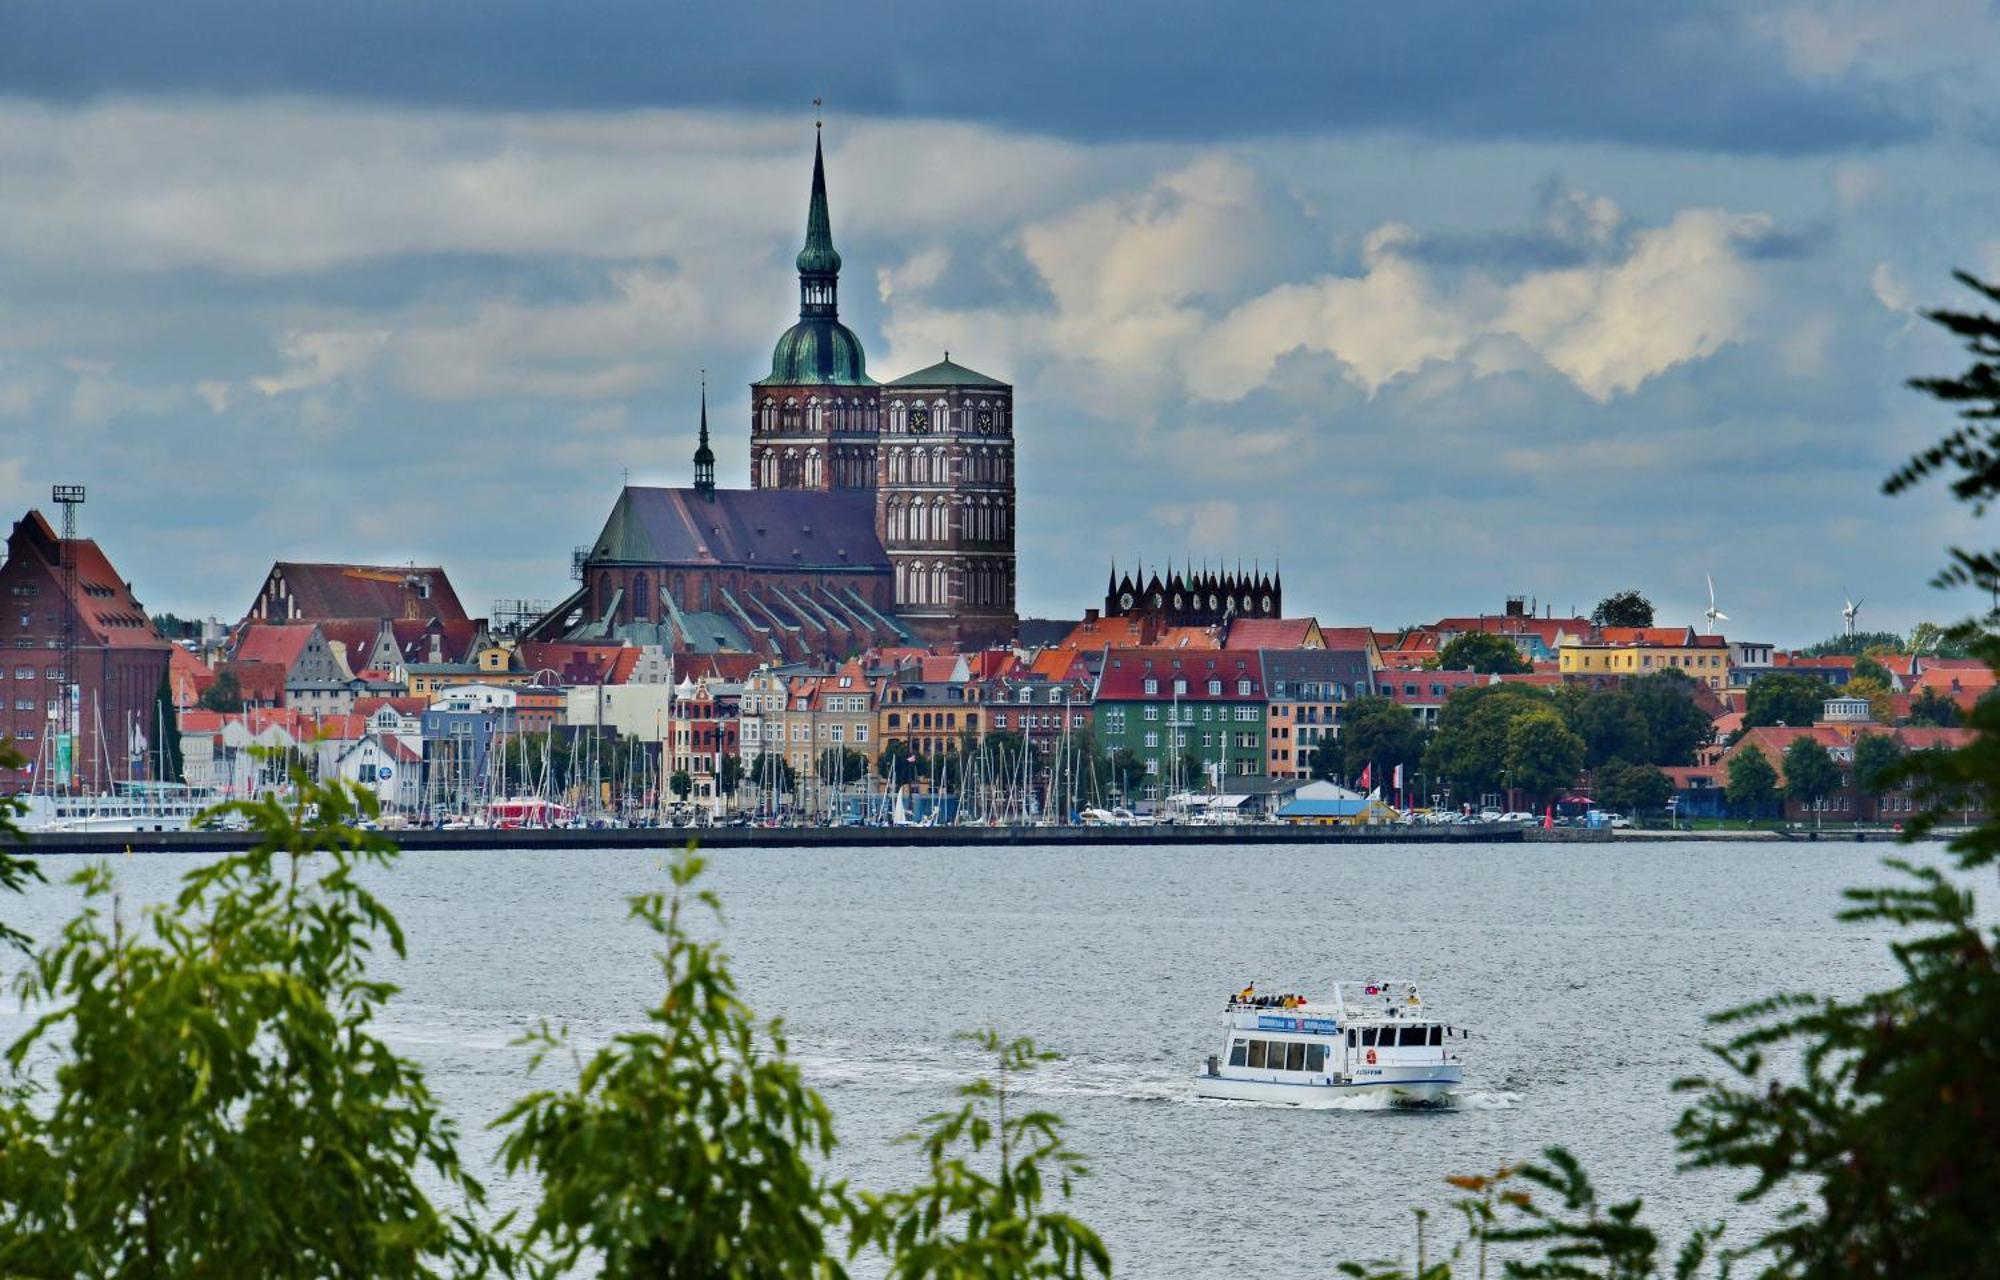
[946, 374]
[755, 528]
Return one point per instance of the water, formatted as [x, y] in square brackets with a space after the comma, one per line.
[1584, 972]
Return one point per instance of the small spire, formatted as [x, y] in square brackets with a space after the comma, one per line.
[704, 457]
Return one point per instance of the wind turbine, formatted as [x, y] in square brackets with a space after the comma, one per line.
[1848, 614]
[1713, 614]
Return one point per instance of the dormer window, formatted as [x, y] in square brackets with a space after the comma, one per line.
[1215, 688]
[1152, 685]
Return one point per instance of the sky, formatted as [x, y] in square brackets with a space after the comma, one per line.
[1428, 305]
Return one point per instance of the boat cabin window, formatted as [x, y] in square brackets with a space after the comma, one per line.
[1237, 1050]
[1295, 1056]
[1315, 1057]
[1257, 1053]
[1437, 1035]
[1415, 1036]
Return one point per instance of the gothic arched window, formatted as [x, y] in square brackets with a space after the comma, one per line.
[902, 580]
[940, 591]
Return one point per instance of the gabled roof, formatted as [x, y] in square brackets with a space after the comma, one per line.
[751, 528]
[315, 592]
[106, 611]
[277, 643]
[947, 374]
[1273, 633]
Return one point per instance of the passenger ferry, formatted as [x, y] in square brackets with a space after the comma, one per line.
[131, 807]
[1371, 1039]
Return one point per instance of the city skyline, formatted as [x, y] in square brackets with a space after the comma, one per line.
[1430, 353]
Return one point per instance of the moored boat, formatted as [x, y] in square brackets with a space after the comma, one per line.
[1371, 1039]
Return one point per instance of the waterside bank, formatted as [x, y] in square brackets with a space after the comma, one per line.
[942, 837]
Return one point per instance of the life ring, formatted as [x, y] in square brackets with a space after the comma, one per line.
[1371, 1057]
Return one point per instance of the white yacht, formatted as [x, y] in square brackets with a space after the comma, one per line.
[1370, 1039]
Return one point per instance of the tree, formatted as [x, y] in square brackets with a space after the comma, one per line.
[681, 784]
[1543, 756]
[225, 695]
[687, 1147]
[1624, 609]
[1850, 646]
[1676, 726]
[165, 732]
[16, 872]
[1380, 733]
[1328, 761]
[1632, 788]
[841, 766]
[729, 775]
[1610, 722]
[1485, 653]
[1468, 751]
[1878, 760]
[1125, 772]
[1810, 773]
[1929, 640]
[1784, 697]
[1881, 703]
[223, 1106]
[1753, 782]
[1867, 668]
[965, 1221]
[1931, 707]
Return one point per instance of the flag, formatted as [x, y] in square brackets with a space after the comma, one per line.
[1367, 773]
[1398, 782]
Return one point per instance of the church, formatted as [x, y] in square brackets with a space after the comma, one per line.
[877, 513]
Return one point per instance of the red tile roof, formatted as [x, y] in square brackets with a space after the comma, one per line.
[326, 592]
[107, 613]
[1270, 633]
[411, 706]
[187, 676]
[1126, 671]
[279, 645]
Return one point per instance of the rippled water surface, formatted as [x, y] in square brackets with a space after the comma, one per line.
[1584, 972]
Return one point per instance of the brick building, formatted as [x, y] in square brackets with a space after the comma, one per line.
[120, 660]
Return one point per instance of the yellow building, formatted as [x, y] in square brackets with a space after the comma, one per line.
[1641, 651]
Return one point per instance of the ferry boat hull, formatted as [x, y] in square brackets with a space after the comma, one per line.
[1420, 1087]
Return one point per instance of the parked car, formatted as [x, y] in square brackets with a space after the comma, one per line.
[1524, 819]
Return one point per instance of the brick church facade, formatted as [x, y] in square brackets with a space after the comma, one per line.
[877, 513]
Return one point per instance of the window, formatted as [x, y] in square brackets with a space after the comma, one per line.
[1415, 1036]
[1152, 739]
[1152, 713]
[1256, 1053]
[1152, 685]
[1368, 1037]
[837, 730]
[1437, 1035]
[1315, 1057]
[1238, 1052]
[1026, 695]
[1215, 688]
[1180, 688]
[1246, 713]
[1242, 688]
[1295, 1056]
[1000, 720]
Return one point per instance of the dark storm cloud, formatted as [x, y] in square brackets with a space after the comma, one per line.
[1666, 75]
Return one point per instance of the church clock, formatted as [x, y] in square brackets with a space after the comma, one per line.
[985, 420]
[1125, 600]
[920, 420]
[1267, 604]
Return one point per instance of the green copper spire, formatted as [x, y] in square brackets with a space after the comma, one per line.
[819, 263]
[704, 457]
[818, 350]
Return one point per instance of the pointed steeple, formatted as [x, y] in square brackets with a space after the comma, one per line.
[819, 262]
[704, 457]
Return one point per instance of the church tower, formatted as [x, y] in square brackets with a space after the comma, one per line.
[813, 419]
[945, 502]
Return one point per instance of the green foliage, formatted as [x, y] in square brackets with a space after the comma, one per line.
[1632, 788]
[225, 695]
[1931, 707]
[1753, 780]
[686, 1148]
[1885, 1147]
[16, 872]
[1846, 646]
[1580, 1237]
[1608, 721]
[1126, 772]
[1543, 756]
[1784, 697]
[1374, 731]
[681, 783]
[729, 775]
[1328, 760]
[1676, 728]
[839, 766]
[221, 1107]
[1810, 773]
[775, 774]
[1929, 640]
[1971, 453]
[164, 732]
[1881, 703]
[1469, 749]
[1485, 653]
[980, 1211]
[1867, 668]
[1878, 760]
[1623, 609]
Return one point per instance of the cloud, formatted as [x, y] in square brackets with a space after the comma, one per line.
[312, 360]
